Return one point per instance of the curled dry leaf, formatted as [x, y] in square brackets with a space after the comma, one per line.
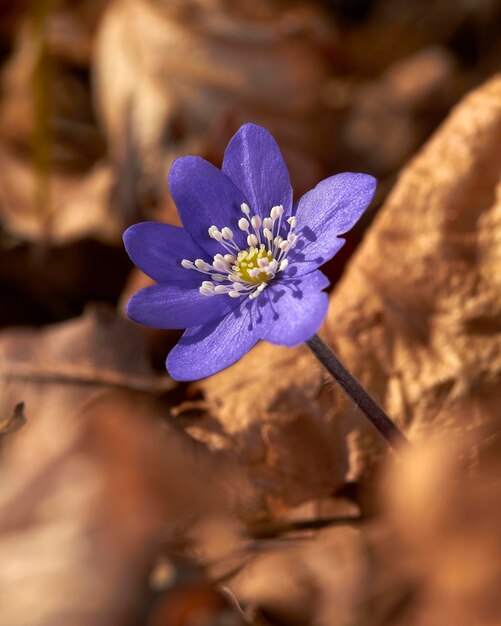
[416, 318]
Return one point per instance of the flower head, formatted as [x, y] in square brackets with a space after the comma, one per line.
[244, 267]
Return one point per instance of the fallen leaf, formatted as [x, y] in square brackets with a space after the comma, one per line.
[83, 519]
[64, 365]
[415, 317]
[443, 501]
[13, 423]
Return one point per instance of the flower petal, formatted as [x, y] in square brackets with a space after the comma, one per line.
[208, 349]
[158, 249]
[292, 310]
[253, 162]
[324, 213]
[204, 196]
[177, 304]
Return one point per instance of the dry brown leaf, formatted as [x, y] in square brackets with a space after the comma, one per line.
[316, 580]
[54, 185]
[56, 369]
[13, 423]
[179, 78]
[83, 517]
[444, 500]
[79, 206]
[416, 318]
[270, 408]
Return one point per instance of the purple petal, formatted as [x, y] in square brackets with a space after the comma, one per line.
[204, 196]
[253, 161]
[324, 213]
[158, 249]
[292, 310]
[208, 349]
[177, 305]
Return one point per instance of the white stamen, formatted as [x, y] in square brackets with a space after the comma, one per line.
[238, 287]
[200, 264]
[206, 289]
[220, 266]
[276, 212]
[221, 289]
[215, 234]
[256, 222]
[246, 272]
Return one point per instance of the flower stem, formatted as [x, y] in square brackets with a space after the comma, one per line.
[357, 393]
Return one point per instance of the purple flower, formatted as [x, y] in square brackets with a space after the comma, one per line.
[244, 267]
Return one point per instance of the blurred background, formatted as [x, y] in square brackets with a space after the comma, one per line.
[97, 98]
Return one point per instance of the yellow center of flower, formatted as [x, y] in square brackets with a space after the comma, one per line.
[250, 264]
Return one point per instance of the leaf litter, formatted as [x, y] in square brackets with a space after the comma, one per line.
[258, 496]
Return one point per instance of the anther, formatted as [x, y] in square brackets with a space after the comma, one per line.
[200, 264]
[276, 212]
[188, 265]
[220, 266]
[256, 221]
[245, 208]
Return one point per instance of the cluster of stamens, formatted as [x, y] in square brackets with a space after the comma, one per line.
[247, 272]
